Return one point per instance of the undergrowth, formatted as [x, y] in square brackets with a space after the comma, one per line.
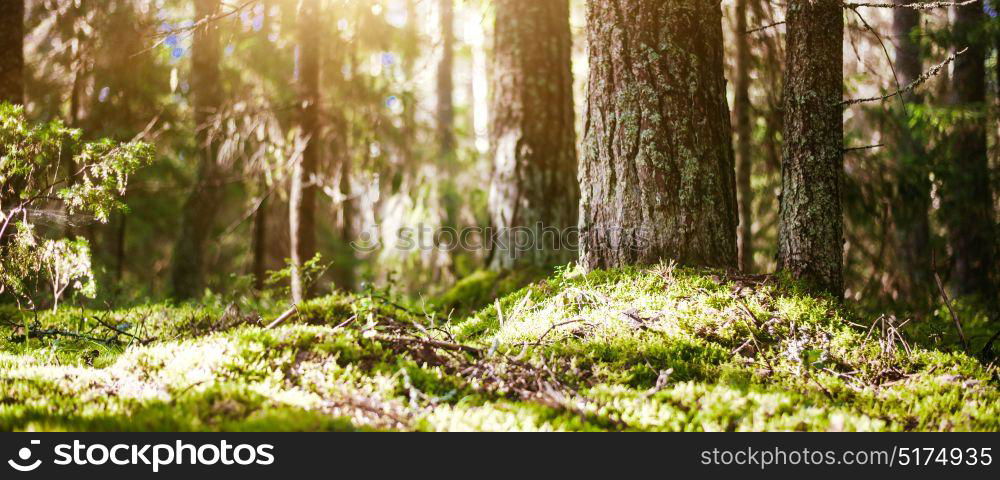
[633, 349]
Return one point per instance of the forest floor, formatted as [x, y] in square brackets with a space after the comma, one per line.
[634, 349]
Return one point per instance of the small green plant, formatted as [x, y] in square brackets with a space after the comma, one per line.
[311, 271]
[47, 166]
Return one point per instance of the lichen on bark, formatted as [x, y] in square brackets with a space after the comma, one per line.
[657, 173]
[811, 227]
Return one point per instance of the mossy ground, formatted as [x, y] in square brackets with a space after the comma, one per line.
[635, 349]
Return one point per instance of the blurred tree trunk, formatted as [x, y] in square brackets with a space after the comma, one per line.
[260, 237]
[11, 87]
[912, 201]
[344, 264]
[12, 55]
[534, 189]
[77, 111]
[657, 178]
[966, 198]
[202, 205]
[445, 80]
[741, 113]
[302, 196]
[811, 230]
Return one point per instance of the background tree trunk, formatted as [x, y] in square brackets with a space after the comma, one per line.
[202, 205]
[260, 238]
[811, 230]
[911, 204]
[11, 87]
[744, 132]
[657, 176]
[12, 55]
[302, 197]
[445, 79]
[966, 197]
[339, 141]
[534, 189]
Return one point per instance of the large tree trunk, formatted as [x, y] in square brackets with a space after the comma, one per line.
[445, 79]
[202, 205]
[657, 175]
[811, 230]
[966, 197]
[534, 193]
[911, 204]
[741, 113]
[12, 54]
[302, 197]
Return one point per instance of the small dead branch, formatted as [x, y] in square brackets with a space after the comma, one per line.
[930, 73]
[765, 27]
[118, 331]
[860, 149]
[947, 303]
[553, 327]
[30, 332]
[455, 347]
[911, 6]
[291, 312]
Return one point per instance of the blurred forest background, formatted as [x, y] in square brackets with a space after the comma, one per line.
[389, 103]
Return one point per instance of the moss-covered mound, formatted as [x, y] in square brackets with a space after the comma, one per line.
[634, 349]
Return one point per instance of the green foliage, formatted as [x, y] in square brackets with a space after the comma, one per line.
[45, 166]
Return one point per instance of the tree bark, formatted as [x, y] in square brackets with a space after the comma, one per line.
[302, 197]
[340, 146]
[911, 204]
[741, 113]
[445, 80]
[11, 90]
[657, 175]
[966, 197]
[202, 205]
[811, 230]
[534, 193]
[12, 55]
[260, 238]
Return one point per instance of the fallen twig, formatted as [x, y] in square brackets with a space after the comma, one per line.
[947, 303]
[291, 312]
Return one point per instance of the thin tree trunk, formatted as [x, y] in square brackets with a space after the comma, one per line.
[534, 193]
[445, 80]
[202, 205]
[966, 197]
[12, 54]
[302, 199]
[260, 239]
[657, 175]
[741, 112]
[343, 267]
[811, 230]
[120, 245]
[344, 272]
[912, 201]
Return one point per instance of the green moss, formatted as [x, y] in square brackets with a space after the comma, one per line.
[481, 288]
[631, 349]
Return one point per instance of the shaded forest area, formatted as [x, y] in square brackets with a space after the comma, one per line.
[499, 214]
